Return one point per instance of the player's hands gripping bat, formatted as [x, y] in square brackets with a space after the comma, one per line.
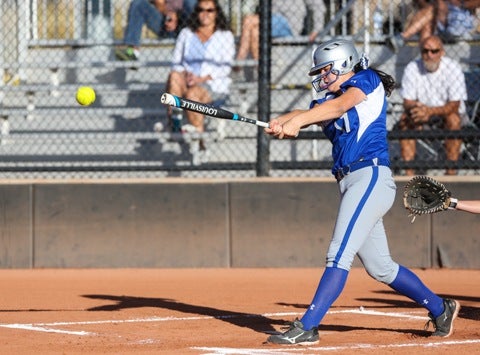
[424, 195]
[176, 101]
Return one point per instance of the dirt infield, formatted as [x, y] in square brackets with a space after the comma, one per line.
[219, 311]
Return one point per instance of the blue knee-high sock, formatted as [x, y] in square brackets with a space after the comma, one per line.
[408, 284]
[330, 286]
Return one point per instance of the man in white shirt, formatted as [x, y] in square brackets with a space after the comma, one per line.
[433, 87]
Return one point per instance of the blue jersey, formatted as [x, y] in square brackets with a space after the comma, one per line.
[361, 133]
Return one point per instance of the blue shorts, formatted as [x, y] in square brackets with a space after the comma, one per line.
[280, 26]
[460, 22]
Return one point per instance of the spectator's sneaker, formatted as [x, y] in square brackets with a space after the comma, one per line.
[158, 127]
[295, 335]
[443, 324]
[176, 119]
[176, 125]
[127, 54]
[395, 43]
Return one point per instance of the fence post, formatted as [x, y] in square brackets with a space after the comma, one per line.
[263, 141]
[2, 51]
[23, 30]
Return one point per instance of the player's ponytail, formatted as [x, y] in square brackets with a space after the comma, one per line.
[387, 80]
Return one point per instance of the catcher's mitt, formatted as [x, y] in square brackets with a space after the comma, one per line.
[424, 195]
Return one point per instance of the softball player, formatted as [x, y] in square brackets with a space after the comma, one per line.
[353, 116]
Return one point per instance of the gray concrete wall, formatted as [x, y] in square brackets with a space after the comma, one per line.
[197, 223]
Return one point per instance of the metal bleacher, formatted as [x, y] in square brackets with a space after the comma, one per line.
[43, 128]
[119, 126]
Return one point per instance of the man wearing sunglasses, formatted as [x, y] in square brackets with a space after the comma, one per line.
[433, 91]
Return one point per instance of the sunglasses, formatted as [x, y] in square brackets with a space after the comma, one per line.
[433, 51]
[201, 9]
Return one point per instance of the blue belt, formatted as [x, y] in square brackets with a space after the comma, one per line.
[347, 169]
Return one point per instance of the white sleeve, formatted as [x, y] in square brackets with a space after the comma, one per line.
[409, 82]
[225, 54]
[457, 91]
[179, 50]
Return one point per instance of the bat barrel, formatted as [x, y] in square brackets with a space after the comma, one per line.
[172, 100]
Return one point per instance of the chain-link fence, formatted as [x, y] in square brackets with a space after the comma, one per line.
[48, 48]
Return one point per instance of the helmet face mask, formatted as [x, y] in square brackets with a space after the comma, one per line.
[319, 83]
[340, 54]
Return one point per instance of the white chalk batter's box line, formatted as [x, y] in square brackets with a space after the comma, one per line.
[342, 349]
[52, 327]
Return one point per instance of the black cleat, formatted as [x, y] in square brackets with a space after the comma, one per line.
[443, 324]
[295, 335]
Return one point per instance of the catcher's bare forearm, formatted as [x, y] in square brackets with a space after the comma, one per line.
[472, 206]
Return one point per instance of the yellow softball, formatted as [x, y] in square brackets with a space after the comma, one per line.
[85, 95]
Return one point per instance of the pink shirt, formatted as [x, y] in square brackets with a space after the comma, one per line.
[174, 5]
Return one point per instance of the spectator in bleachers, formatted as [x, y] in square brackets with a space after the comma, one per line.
[189, 6]
[449, 19]
[202, 61]
[433, 90]
[287, 20]
[162, 17]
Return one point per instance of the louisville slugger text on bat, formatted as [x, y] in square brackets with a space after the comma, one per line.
[176, 101]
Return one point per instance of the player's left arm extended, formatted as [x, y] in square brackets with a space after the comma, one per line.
[472, 206]
[276, 124]
[327, 110]
[331, 109]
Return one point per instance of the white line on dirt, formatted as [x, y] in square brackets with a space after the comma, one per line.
[46, 327]
[310, 350]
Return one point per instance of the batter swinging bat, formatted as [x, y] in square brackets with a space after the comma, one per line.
[172, 100]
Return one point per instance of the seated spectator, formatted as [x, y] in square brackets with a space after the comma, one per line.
[188, 7]
[287, 20]
[449, 19]
[202, 60]
[162, 17]
[433, 89]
